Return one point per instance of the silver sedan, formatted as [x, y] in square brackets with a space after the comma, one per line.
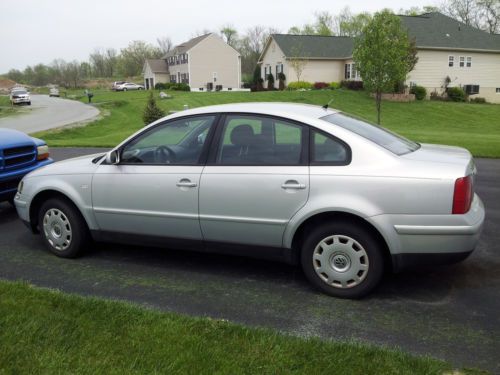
[310, 185]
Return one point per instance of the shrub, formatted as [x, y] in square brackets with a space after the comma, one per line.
[419, 92]
[456, 94]
[162, 86]
[270, 81]
[334, 85]
[281, 80]
[152, 112]
[300, 85]
[478, 100]
[320, 85]
[179, 87]
[352, 85]
[435, 96]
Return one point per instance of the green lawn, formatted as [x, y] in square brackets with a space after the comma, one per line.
[6, 108]
[48, 332]
[473, 126]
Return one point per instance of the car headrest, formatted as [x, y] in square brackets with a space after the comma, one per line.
[242, 135]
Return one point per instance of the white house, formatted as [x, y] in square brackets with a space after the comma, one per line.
[469, 57]
[204, 62]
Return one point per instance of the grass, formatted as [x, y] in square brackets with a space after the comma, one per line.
[46, 331]
[473, 126]
[6, 109]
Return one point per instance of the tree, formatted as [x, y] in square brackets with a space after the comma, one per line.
[133, 57]
[354, 25]
[229, 34]
[98, 62]
[165, 44]
[490, 13]
[110, 62]
[466, 11]
[382, 54]
[297, 61]
[152, 112]
[324, 23]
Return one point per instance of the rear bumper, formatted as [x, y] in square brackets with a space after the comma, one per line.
[416, 240]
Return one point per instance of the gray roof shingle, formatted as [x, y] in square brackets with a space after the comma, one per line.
[315, 46]
[157, 65]
[186, 46]
[430, 30]
[435, 30]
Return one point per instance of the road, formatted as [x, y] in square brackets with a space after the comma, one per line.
[47, 113]
[450, 313]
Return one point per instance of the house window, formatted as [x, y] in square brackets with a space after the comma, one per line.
[347, 72]
[172, 78]
[462, 61]
[497, 90]
[451, 61]
[469, 61]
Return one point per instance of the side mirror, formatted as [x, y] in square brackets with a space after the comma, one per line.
[113, 157]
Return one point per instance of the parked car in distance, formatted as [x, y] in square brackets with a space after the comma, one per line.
[19, 155]
[129, 86]
[115, 85]
[54, 92]
[346, 199]
[19, 95]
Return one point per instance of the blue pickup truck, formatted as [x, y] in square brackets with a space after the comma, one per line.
[19, 155]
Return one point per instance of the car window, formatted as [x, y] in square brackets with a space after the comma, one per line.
[259, 140]
[381, 136]
[175, 142]
[328, 150]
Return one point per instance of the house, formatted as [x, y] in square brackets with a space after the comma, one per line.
[469, 57]
[204, 62]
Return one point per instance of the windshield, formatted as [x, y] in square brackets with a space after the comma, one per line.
[19, 92]
[381, 136]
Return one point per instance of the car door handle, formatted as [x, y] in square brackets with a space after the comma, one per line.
[293, 185]
[186, 183]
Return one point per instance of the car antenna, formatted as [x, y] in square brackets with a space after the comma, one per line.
[327, 104]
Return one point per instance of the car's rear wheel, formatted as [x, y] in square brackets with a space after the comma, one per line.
[124, 89]
[63, 228]
[342, 259]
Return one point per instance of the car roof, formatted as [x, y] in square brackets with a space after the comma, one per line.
[269, 108]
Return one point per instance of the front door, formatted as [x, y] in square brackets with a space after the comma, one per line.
[256, 182]
[154, 189]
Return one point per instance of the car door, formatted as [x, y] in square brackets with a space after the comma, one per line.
[153, 190]
[256, 179]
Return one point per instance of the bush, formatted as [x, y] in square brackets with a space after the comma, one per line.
[478, 100]
[320, 85]
[419, 92]
[152, 112]
[352, 85]
[160, 86]
[281, 80]
[334, 86]
[435, 96]
[179, 87]
[300, 85]
[270, 81]
[456, 94]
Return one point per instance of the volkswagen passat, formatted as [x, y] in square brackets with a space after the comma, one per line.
[310, 185]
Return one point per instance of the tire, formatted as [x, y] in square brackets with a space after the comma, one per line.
[29, 103]
[342, 259]
[124, 89]
[63, 228]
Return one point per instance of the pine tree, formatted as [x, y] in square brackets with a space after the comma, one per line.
[152, 112]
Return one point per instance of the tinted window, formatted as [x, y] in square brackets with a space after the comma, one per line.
[175, 142]
[383, 137]
[328, 150]
[258, 140]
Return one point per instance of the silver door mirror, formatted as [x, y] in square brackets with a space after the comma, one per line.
[113, 157]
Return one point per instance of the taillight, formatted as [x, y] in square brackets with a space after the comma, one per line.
[463, 195]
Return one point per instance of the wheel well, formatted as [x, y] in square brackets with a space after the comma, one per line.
[321, 218]
[37, 202]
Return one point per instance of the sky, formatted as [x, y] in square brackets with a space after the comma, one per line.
[39, 31]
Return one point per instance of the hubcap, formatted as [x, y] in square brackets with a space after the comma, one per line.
[340, 261]
[57, 229]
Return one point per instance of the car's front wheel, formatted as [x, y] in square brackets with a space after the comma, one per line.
[63, 228]
[342, 259]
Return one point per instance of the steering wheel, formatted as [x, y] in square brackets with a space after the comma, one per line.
[164, 155]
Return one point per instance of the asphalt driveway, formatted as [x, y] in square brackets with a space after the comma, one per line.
[451, 312]
[48, 113]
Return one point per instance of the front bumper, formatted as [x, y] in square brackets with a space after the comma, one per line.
[416, 240]
[10, 180]
[21, 100]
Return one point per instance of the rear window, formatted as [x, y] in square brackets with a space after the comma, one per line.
[381, 136]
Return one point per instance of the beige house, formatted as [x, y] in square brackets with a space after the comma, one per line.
[469, 57]
[204, 63]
